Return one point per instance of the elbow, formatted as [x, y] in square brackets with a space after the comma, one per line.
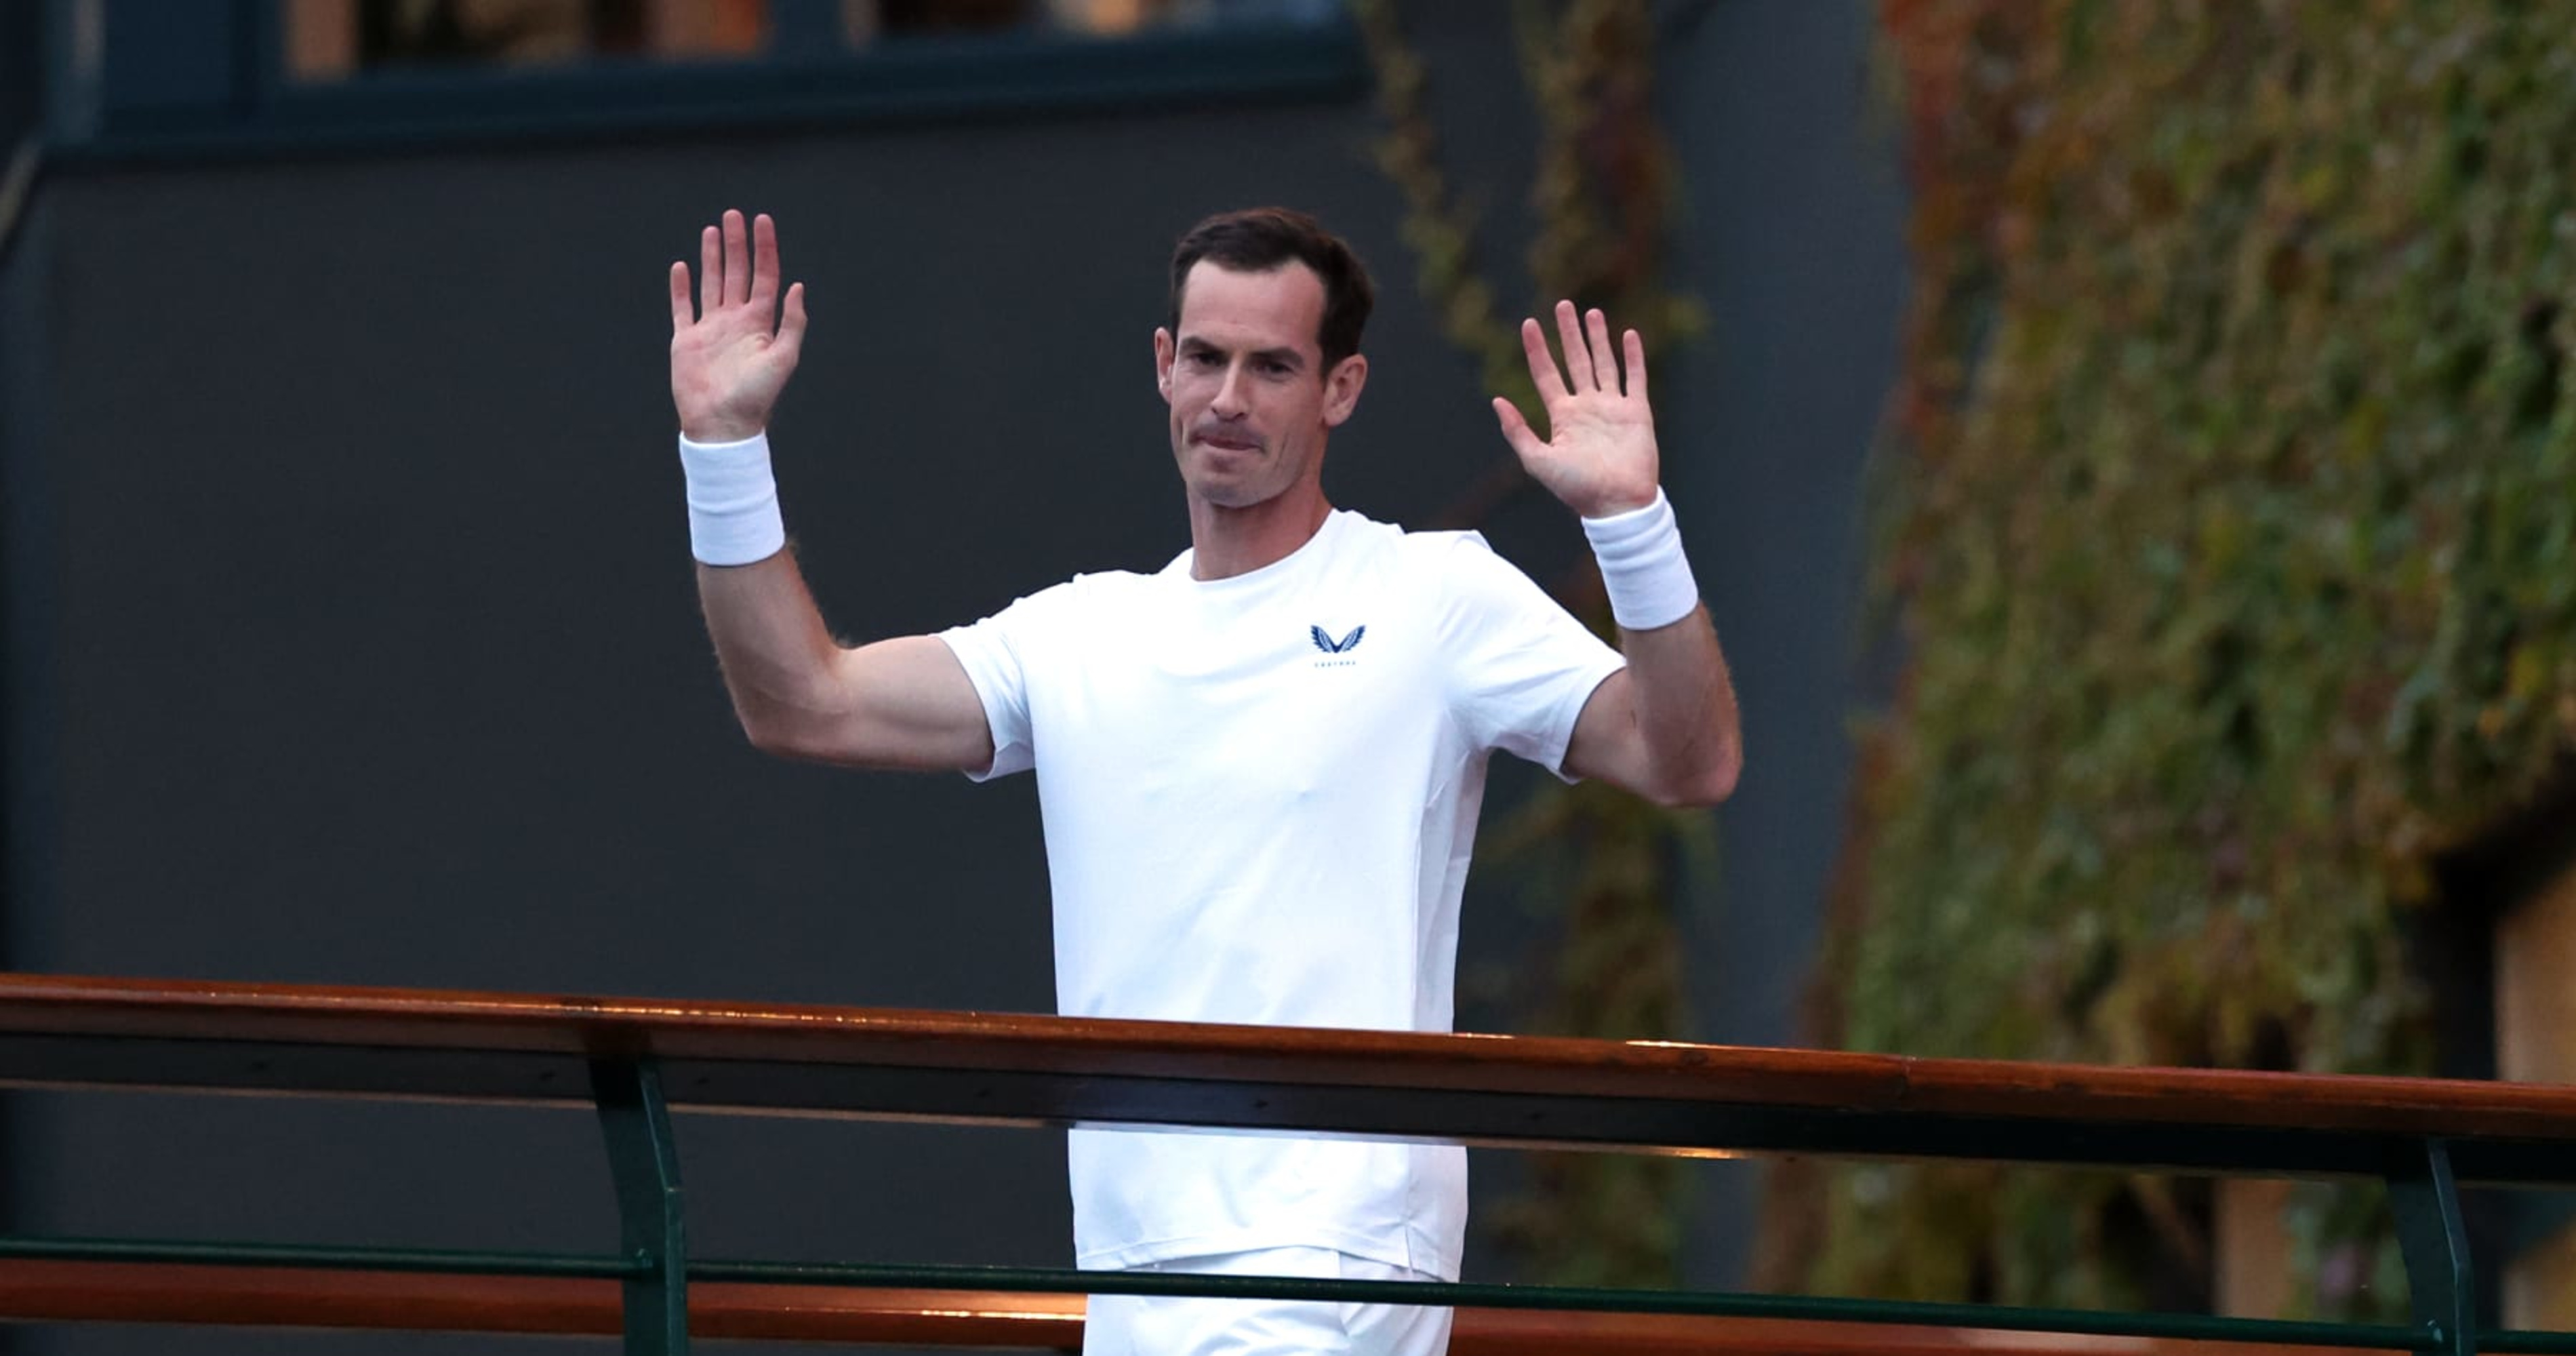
[767, 737]
[779, 738]
[769, 740]
[1701, 787]
[786, 714]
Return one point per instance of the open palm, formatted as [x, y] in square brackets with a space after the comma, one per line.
[1599, 456]
[732, 354]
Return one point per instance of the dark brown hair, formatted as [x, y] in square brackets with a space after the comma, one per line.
[1260, 239]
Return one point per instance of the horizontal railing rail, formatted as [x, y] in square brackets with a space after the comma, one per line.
[637, 1060]
[292, 1297]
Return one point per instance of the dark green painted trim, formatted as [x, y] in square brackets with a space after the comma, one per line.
[652, 1214]
[1425, 1113]
[1003, 78]
[2382, 1337]
[439, 1261]
[2441, 1287]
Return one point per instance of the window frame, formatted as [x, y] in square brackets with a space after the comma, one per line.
[217, 82]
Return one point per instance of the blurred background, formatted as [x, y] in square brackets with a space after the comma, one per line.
[2126, 447]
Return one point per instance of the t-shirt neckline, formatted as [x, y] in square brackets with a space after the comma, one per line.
[1283, 567]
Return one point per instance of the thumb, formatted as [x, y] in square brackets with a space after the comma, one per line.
[1517, 432]
[791, 323]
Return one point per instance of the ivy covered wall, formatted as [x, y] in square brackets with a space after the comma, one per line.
[2229, 522]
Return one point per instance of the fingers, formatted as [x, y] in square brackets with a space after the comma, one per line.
[737, 280]
[1605, 360]
[1579, 371]
[1591, 363]
[1542, 365]
[710, 271]
[736, 267]
[764, 264]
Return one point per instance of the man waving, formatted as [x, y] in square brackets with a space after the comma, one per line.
[1260, 766]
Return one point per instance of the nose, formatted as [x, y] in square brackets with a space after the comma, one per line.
[1228, 402]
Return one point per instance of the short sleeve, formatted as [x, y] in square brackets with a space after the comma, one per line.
[1520, 666]
[995, 653]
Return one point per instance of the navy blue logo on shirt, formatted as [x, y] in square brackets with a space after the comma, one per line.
[1325, 642]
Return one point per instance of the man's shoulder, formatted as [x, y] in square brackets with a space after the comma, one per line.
[1462, 570]
[1424, 547]
[1065, 601]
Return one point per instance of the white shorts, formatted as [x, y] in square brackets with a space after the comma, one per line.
[1136, 1325]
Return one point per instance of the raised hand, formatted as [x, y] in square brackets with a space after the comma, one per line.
[732, 354]
[1599, 456]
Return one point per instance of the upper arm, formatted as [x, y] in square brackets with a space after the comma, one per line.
[903, 703]
[1608, 743]
[1521, 669]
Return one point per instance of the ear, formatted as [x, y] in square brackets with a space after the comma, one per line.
[1342, 389]
[1163, 353]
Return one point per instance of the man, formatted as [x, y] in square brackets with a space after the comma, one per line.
[1259, 768]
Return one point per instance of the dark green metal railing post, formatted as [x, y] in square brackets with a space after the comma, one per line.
[646, 1165]
[2438, 1284]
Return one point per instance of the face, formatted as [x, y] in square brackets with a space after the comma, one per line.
[1251, 401]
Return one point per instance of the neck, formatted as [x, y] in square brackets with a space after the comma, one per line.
[1225, 542]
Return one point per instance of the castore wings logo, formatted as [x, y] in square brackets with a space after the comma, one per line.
[1325, 642]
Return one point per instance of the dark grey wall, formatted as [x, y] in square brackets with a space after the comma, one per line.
[367, 614]
[25, 677]
[22, 36]
[1793, 237]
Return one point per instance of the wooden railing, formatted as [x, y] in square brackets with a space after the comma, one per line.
[294, 1297]
[636, 1060]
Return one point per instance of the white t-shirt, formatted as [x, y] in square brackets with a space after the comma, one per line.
[1260, 794]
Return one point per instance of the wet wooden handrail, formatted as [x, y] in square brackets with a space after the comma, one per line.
[491, 1047]
[635, 1060]
[295, 1297]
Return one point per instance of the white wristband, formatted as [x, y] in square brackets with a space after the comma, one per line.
[1642, 566]
[733, 501]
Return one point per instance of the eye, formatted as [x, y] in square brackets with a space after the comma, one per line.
[1272, 367]
[1200, 358]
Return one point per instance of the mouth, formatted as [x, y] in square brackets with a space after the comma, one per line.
[1226, 442]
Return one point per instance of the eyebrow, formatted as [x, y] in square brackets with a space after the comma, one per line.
[1288, 356]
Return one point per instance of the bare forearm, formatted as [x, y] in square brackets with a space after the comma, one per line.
[900, 703]
[1665, 726]
[777, 655]
[1684, 706]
